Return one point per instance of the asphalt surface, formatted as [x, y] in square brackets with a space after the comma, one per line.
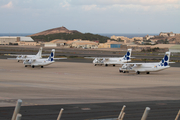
[160, 110]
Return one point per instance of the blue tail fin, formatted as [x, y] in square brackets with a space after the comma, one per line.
[127, 56]
[165, 60]
[51, 56]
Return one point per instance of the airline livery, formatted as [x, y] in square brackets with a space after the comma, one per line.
[112, 60]
[147, 67]
[24, 57]
[41, 61]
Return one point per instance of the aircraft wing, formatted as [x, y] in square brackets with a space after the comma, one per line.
[171, 62]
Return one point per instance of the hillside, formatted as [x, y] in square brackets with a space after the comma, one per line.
[65, 34]
[55, 31]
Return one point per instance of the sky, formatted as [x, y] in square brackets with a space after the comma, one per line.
[94, 16]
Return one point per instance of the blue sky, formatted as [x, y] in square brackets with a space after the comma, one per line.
[95, 16]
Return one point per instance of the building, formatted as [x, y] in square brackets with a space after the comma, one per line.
[147, 37]
[167, 34]
[6, 40]
[26, 39]
[138, 38]
[27, 43]
[85, 44]
[49, 44]
[110, 44]
[126, 40]
[59, 42]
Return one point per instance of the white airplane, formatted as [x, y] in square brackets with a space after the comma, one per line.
[24, 57]
[112, 60]
[147, 67]
[41, 61]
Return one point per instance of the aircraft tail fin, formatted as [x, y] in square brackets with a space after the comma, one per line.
[39, 54]
[51, 56]
[127, 56]
[165, 60]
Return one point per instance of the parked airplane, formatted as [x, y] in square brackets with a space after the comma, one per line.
[147, 67]
[112, 60]
[41, 61]
[24, 57]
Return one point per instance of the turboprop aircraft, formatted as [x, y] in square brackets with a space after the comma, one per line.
[147, 67]
[41, 61]
[24, 57]
[112, 60]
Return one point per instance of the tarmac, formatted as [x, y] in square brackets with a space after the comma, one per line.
[76, 84]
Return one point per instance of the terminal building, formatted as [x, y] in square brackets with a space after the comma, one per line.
[8, 40]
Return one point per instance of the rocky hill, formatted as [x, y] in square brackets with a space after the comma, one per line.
[55, 31]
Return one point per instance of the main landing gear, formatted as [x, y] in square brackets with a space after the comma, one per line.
[138, 72]
[123, 71]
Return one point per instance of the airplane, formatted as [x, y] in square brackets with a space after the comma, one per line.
[147, 67]
[24, 57]
[112, 60]
[41, 61]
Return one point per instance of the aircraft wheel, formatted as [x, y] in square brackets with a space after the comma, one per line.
[114, 65]
[147, 72]
[18, 60]
[106, 65]
[94, 64]
[124, 71]
[25, 65]
[41, 66]
[138, 72]
[120, 71]
[33, 66]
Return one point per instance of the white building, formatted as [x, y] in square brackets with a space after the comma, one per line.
[26, 39]
[6, 40]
